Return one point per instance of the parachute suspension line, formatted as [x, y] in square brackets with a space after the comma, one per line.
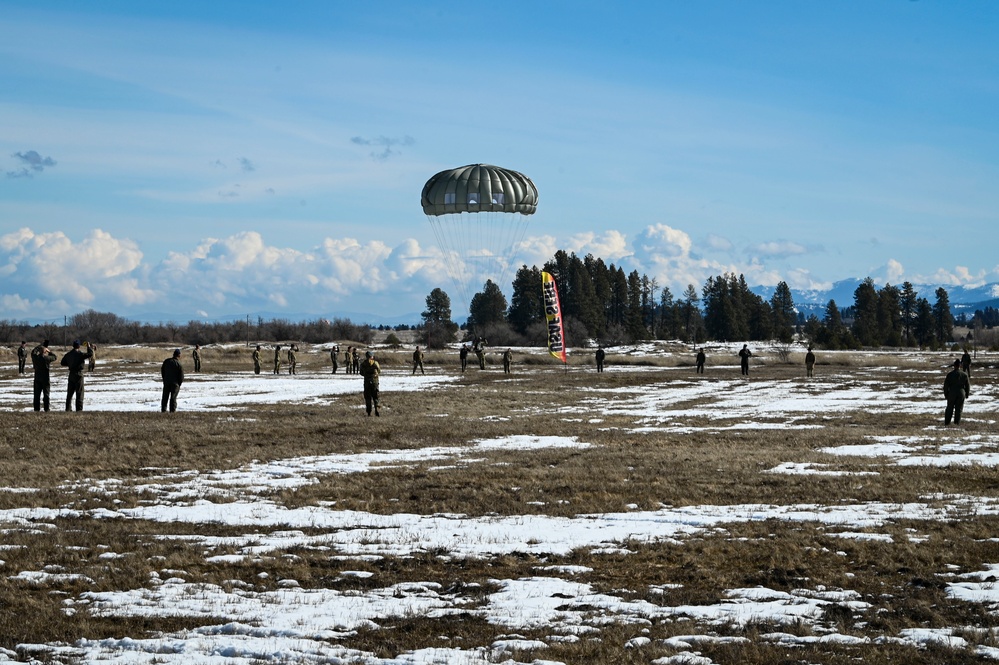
[504, 230]
[451, 256]
[517, 237]
[508, 232]
[471, 209]
[477, 247]
[458, 227]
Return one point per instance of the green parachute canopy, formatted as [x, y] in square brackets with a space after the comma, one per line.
[479, 216]
[479, 188]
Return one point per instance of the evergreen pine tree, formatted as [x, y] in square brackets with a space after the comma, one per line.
[782, 304]
[865, 313]
[526, 301]
[942, 317]
[488, 307]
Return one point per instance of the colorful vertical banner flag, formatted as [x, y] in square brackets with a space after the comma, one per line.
[553, 313]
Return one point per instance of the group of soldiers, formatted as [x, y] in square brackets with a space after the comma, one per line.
[478, 347]
[291, 354]
[957, 385]
[42, 358]
[76, 360]
[351, 359]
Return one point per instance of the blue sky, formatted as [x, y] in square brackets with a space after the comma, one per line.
[199, 160]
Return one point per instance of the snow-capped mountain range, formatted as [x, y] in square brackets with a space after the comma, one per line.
[962, 298]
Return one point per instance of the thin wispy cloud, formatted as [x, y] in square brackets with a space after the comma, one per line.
[246, 165]
[31, 162]
[388, 145]
[778, 249]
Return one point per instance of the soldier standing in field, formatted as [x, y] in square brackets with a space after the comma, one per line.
[480, 352]
[370, 370]
[41, 359]
[418, 360]
[699, 361]
[173, 375]
[334, 354]
[744, 355]
[507, 360]
[196, 354]
[277, 359]
[93, 358]
[957, 387]
[463, 357]
[356, 359]
[22, 357]
[75, 360]
[600, 357]
[256, 360]
[292, 361]
[348, 360]
[809, 363]
[966, 362]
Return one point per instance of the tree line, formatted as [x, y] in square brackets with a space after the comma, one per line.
[108, 328]
[602, 302]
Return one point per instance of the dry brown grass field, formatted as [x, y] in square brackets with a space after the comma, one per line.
[58, 461]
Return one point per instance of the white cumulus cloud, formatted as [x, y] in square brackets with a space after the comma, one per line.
[895, 271]
[959, 276]
[666, 253]
[50, 268]
[778, 249]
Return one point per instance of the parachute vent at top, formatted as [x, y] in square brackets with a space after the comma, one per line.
[479, 188]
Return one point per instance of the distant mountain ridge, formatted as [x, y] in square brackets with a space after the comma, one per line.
[814, 301]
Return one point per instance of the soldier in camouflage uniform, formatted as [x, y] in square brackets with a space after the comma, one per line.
[744, 355]
[256, 360]
[22, 357]
[172, 374]
[75, 360]
[41, 358]
[277, 359]
[956, 388]
[480, 352]
[370, 370]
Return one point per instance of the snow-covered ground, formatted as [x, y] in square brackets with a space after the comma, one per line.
[295, 624]
[110, 389]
